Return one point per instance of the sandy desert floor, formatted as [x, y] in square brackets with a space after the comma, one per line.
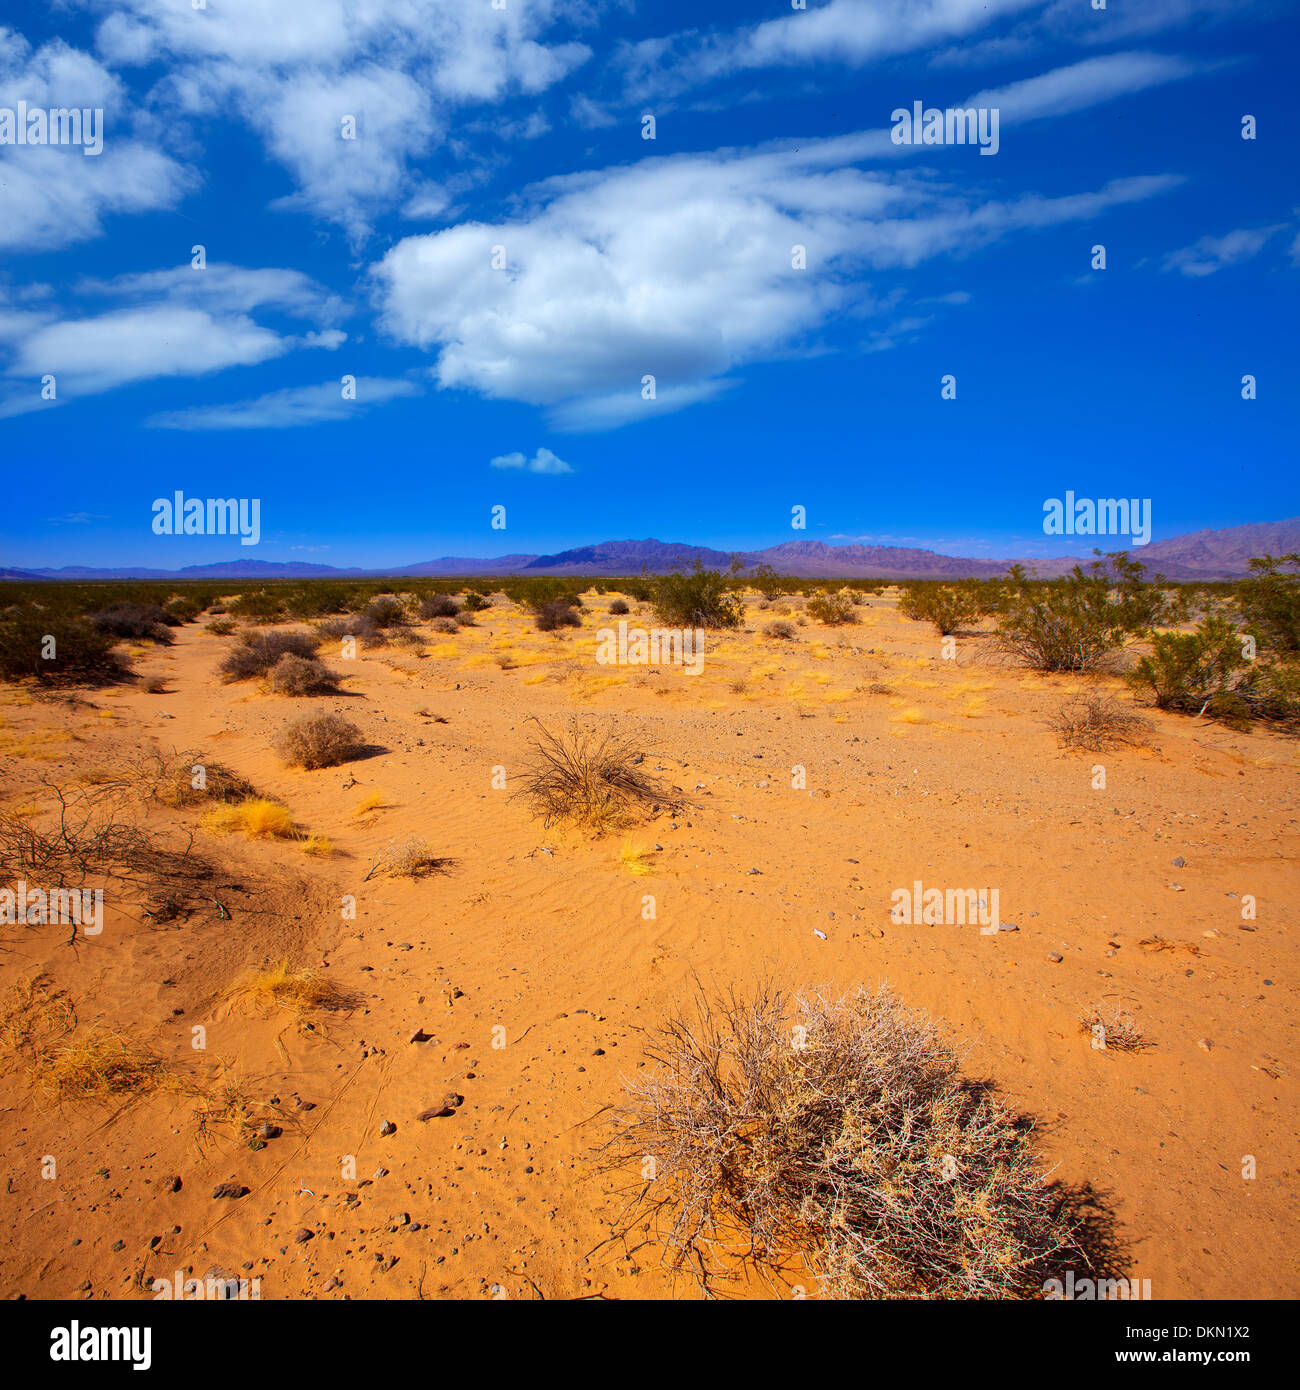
[529, 964]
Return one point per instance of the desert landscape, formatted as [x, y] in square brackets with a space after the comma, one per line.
[370, 1029]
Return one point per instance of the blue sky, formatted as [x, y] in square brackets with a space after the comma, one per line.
[521, 384]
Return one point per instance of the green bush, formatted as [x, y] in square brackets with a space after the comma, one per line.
[833, 609]
[950, 607]
[1270, 602]
[55, 647]
[697, 598]
[1207, 672]
[1071, 624]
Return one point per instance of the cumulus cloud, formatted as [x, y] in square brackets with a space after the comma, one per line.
[1213, 253]
[292, 407]
[399, 68]
[543, 461]
[681, 270]
[55, 195]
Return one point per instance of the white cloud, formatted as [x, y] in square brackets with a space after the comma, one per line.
[680, 269]
[852, 32]
[1064, 91]
[291, 407]
[400, 67]
[177, 322]
[543, 461]
[1213, 253]
[55, 195]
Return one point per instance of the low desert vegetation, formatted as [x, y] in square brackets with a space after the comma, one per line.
[618, 608]
[697, 597]
[835, 1134]
[319, 740]
[1075, 623]
[101, 1066]
[278, 986]
[302, 675]
[1113, 1029]
[190, 779]
[949, 607]
[1096, 722]
[409, 858]
[137, 620]
[258, 818]
[835, 610]
[438, 606]
[258, 653]
[1208, 672]
[56, 648]
[554, 613]
[781, 631]
[590, 775]
[1269, 601]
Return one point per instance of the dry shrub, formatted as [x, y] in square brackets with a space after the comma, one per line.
[171, 781]
[319, 740]
[301, 675]
[438, 606]
[410, 858]
[1113, 1029]
[1097, 722]
[839, 1136]
[259, 652]
[155, 685]
[592, 777]
[780, 631]
[101, 1066]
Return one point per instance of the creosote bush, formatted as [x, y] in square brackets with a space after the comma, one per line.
[950, 607]
[697, 597]
[839, 1132]
[557, 613]
[1208, 672]
[319, 740]
[55, 648]
[781, 631]
[618, 608]
[1072, 624]
[832, 609]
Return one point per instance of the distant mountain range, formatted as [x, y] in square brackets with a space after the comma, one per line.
[1223, 554]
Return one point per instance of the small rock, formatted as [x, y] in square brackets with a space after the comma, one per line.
[229, 1189]
[302, 1235]
[266, 1130]
[1055, 957]
[1179, 863]
[170, 1184]
[1007, 926]
[1205, 1044]
[388, 1127]
[418, 1036]
[820, 935]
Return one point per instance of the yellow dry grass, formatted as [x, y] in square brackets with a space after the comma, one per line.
[101, 1066]
[259, 818]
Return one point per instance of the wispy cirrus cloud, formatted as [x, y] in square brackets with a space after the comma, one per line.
[292, 407]
[1212, 253]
